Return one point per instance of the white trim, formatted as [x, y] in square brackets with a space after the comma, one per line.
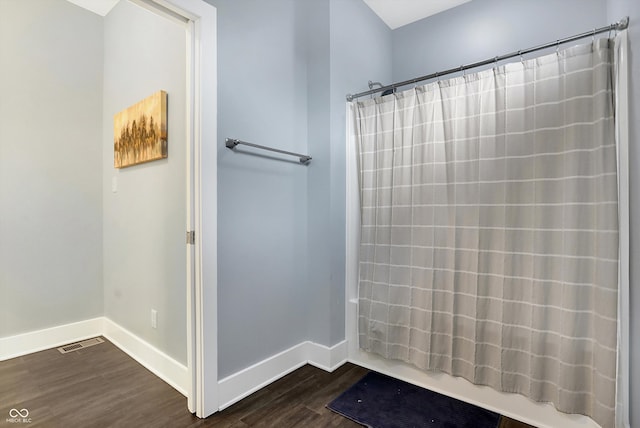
[239, 385]
[202, 326]
[205, 154]
[40, 340]
[153, 359]
[193, 256]
[156, 361]
[327, 358]
[247, 381]
[622, 145]
[352, 231]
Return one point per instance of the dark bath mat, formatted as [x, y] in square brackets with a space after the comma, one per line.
[380, 401]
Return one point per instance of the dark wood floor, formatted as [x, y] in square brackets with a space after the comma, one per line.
[102, 387]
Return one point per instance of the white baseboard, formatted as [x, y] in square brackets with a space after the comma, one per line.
[239, 385]
[153, 359]
[156, 361]
[40, 340]
[325, 358]
[230, 389]
[235, 387]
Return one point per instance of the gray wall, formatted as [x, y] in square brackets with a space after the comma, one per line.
[484, 28]
[616, 10]
[284, 69]
[145, 220]
[50, 153]
[281, 225]
[262, 201]
[347, 45]
[360, 51]
[319, 279]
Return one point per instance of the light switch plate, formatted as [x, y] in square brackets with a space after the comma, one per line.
[154, 318]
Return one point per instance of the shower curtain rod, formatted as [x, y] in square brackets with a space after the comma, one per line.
[618, 26]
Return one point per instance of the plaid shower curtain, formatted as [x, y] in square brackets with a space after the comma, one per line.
[489, 228]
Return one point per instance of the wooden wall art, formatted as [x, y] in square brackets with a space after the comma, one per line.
[140, 132]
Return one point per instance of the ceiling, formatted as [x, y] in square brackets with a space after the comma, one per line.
[101, 7]
[396, 13]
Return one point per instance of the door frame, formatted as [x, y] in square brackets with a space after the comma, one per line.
[201, 137]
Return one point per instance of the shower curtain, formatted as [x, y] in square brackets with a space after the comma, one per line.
[489, 239]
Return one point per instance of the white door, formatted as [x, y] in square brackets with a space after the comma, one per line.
[202, 341]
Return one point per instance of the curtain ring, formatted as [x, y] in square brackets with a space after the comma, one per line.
[521, 58]
[593, 36]
[557, 47]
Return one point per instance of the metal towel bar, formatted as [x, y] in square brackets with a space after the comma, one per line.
[231, 143]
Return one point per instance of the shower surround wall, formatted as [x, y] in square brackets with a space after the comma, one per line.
[617, 9]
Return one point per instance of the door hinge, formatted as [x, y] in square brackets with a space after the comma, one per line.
[191, 237]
